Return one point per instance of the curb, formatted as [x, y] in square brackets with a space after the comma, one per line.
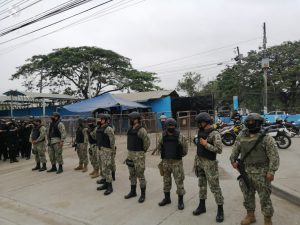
[286, 193]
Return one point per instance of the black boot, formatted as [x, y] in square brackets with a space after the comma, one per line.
[103, 187]
[220, 214]
[113, 175]
[37, 167]
[101, 181]
[180, 202]
[166, 200]
[109, 189]
[143, 195]
[60, 169]
[132, 192]
[53, 169]
[201, 208]
[43, 168]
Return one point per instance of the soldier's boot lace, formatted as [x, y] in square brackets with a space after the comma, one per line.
[268, 220]
[37, 167]
[60, 169]
[132, 192]
[143, 195]
[201, 208]
[101, 181]
[53, 169]
[220, 214]
[109, 189]
[166, 200]
[103, 187]
[79, 167]
[113, 175]
[250, 218]
[180, 202]
[43, 168]
[85, 168]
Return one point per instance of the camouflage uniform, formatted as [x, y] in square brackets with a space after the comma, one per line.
[81, 148]
[262, 160]
[174, 166]
[39, 149]
[93, 153]
[54, 149]
[207, 170]
[138, 159]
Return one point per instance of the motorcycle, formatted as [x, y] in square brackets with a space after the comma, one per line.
[281, 135]
[229, 134]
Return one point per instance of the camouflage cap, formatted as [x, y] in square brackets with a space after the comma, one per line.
[171, 122]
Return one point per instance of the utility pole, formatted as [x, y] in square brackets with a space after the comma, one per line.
[265, 67]
[89, 80]
[238, 59]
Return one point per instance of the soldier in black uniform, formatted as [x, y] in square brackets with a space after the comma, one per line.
[12, 139]
[3, 141]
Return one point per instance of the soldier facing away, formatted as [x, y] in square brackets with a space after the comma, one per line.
[81, 145]
[259, 153]
[38, 140]
[173, 146]
[138, 143]
[209, 144]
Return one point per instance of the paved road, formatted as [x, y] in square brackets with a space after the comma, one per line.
[28, 197]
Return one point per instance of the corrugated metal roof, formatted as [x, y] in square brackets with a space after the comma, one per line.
[48, 96]
[145, 96]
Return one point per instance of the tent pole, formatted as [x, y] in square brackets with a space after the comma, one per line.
[11, 107]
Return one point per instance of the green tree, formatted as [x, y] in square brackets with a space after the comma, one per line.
[191, 83]
[66, 71]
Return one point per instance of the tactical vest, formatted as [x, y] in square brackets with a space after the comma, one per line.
[36, 133]
[54, 131]
[102, 138]
[201, 150]
[171, 148]
[134, 143]
[258, 155]
[79, 136]
[92, 141]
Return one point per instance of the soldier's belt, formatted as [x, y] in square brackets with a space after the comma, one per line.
[255, 164]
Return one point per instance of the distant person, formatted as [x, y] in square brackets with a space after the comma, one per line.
[81, 145]
[162, 120]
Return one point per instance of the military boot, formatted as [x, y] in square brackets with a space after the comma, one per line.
[268, 220]
[60, 169]
[143, 195]
[113, 175]
[109, 189]
[101, 181]
[85, 169]
[103, 186]
[220, 214]
[166, 200]
[92, 173]
[79, 167]
[43, 168]
[53, 169]
[96, 174]
[37, 167]
[132, 192]
[250, 218]
[201, 208]
[180, 202]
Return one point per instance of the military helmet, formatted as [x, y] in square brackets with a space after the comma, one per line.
[134, 115]
[255, 117]
[171, 122]
[37, 119]
[56, 114]
[90, 120]
[203, 117]
[279, 120]
[104, 116]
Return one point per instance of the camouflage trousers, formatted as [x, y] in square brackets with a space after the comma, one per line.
[207, 172]
[113, 159]
[39, 151]
[93, 153]
[82, 153]
[257, 182]
[175, 167]
[106, 155]
[137, 170]
[55, 153]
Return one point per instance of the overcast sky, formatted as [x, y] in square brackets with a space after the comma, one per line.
[153, 32]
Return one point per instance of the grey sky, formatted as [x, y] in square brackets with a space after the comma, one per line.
[156, 31]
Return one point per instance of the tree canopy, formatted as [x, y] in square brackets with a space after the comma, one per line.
[191, 83]
[66, 70]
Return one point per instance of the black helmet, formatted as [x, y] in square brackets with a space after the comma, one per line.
[254, 116]
[171, 122]
[203, 117]
[134, 115]
[254, 127]
[56, 114]
[104, 116]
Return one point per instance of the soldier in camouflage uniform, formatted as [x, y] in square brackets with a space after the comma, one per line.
[209, 144]
[93, 149]
[81, 145]
[138, 143]
[56, 137]
[173, 146]
[260, 165]
[105, 138]
[37, 139]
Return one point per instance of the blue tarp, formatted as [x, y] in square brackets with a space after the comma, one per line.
[104, 101]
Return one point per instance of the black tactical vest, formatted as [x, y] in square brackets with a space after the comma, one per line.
[134, 143]
[171, 149]
[201, 150]
[53, 130]
[102, 138]
[35, 133]
[79, 136]
[92, 141]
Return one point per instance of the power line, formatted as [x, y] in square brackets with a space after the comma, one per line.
[59, 21]
[5, 3]
[14, 5]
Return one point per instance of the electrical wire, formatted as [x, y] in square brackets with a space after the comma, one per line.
[14, 5]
